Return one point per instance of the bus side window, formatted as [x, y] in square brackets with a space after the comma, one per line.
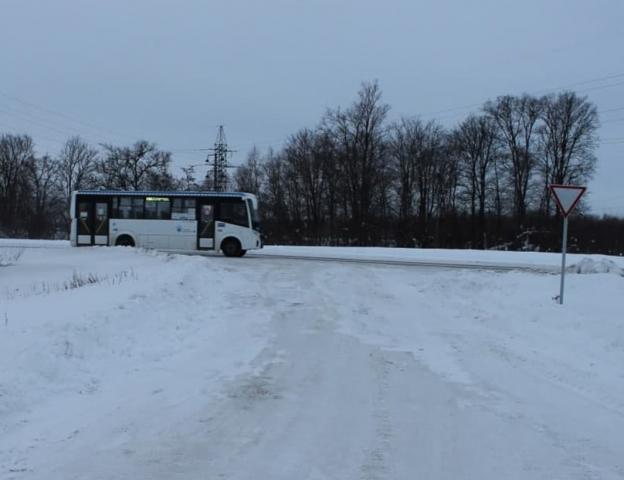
[130, 207]
[183, 209]
[125, 208]
[137, 207]
[157, 208]
[189, 207]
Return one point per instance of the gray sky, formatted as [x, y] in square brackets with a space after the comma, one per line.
[171, 71]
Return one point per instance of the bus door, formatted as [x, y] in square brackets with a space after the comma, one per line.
[100, 234]
[92, 222]
[206, 224]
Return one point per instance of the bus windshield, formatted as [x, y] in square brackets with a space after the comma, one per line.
[255, 218]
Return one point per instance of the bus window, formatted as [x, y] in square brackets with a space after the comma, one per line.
[84, 227]
[125, 207]
[130, 207]
[157, 208]
[183, 209]
[234, 212]
[255, 218]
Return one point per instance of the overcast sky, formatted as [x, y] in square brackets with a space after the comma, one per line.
[171, 71]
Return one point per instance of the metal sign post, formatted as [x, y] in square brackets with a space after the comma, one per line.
[567, 197]
[564, 247]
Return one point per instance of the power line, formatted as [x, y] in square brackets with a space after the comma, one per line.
[47, 139]
[613, 120]
[535, 92]
[209, 165]
[586, 82]
[611, 110]
[601, 87]
[70, 131]
[35, 121]
[103, 133]
[62, 115]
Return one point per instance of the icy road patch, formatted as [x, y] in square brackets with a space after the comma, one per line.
[120, 364]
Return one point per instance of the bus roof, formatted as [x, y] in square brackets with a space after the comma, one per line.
[161, 193]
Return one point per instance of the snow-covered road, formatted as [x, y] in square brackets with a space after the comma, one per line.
[119, 364]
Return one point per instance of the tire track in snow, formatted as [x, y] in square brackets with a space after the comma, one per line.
[377, 465]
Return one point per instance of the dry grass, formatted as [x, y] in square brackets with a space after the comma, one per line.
[10, 256]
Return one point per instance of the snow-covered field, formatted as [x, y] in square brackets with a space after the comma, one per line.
[125, 364]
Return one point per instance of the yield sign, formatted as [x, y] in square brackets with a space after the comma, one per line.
[567, 197]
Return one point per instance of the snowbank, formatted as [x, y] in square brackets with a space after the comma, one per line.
[601, 265]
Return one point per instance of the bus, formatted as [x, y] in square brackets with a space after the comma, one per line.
[176, 221]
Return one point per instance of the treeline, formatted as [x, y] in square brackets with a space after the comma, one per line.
[359, 179]
[35, 191]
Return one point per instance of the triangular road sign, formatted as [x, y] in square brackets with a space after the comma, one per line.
[567, 197]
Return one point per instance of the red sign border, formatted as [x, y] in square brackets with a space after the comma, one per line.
[569, 187]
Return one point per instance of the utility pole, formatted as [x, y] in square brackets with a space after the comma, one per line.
[219, 156]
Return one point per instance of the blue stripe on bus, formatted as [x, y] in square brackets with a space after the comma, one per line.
[161, 194]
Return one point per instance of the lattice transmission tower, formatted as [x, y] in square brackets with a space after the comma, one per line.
[219, 158]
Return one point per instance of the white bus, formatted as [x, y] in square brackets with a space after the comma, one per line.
[179, 221]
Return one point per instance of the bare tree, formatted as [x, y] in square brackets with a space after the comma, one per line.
[425, 176]
[475, 142]
[568, 141]
[305, 164]
[45, 195]
[403, 139]
[76, 166]
[517, 119]
[249, 176]
[75, 169]
[16, 157]
[405, 143]
[326, 151]
[429, 158]
[359, 136]
[138, 167]
[274, 195]
[189, 180]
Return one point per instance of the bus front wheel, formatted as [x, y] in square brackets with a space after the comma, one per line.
[232, 248]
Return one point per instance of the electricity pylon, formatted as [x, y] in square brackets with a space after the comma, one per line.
[219, 156]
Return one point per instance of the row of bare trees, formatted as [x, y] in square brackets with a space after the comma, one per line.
[354, 179]
[35, 191]
[358, 179]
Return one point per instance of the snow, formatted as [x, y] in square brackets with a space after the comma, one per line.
[120, 363]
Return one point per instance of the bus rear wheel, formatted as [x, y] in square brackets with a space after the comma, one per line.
[124, 241]
[232, 248]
